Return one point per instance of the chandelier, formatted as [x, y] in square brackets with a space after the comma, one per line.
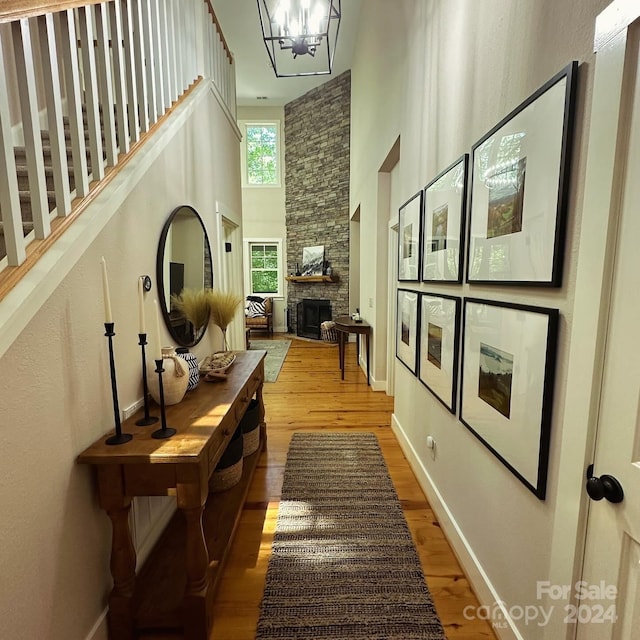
[294, 31]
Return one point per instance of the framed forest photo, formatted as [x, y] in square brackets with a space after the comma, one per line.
[508, 368]
[409, 234]
[407, 329]
[519, 190]
[444, 207]
[439, 346]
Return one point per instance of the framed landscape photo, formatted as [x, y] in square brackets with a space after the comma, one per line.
[519, 190]
[407, 329]
[508, 369]
[409, 221]
[439, 346]
[444, 207]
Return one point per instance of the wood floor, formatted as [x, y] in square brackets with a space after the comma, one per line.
[309, 396]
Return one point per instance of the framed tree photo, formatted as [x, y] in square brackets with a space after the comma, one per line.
[508, 369]
[407, 329]
[439, 346]
[409, 221]
[519, 190]
[445, 200]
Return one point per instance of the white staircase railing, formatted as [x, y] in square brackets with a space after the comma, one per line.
[80, 88]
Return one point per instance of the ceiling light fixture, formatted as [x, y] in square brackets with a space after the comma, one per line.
[298, 27]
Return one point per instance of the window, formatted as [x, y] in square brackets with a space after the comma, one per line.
[261, 154]
[264, 271]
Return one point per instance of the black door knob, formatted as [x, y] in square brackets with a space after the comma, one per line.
[605, 487]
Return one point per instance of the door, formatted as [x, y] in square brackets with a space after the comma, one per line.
[610, 608]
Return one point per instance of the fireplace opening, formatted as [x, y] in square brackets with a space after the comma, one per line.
[311, 314]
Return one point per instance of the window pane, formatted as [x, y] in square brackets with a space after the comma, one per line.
[261, 141]
[271, 263]
[265, 281]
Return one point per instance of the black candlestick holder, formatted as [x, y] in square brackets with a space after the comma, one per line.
[119, 437]
[147, 419]
[164, 431]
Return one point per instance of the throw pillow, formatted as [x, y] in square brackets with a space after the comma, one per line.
[255, 309]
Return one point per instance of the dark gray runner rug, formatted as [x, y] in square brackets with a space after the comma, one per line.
[343, 564]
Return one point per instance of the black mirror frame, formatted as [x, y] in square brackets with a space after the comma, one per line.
[160, 275]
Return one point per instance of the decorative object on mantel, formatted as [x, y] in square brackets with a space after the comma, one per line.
[313, 261]
[119, 437]
[176, 378]
[222, 306]
[294, 26]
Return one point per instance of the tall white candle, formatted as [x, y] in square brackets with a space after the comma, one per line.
[158, 349]
[108, 318]
[141, 306]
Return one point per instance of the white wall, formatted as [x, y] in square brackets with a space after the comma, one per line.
[263, 208]
[55, 389]
[449, 71]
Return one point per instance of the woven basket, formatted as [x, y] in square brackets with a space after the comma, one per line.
[328, 332]
[250, 424]
[223, 479]
[228, 471]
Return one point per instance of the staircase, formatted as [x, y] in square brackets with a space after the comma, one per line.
[135, 60]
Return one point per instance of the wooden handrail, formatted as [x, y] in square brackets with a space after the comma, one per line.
[219, 28]
[11, 10]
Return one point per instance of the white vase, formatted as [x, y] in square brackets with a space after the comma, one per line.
[175, 377]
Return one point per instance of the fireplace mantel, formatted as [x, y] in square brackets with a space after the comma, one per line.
[332, 279]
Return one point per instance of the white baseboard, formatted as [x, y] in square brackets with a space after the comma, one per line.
[99, 630]
[476, 575]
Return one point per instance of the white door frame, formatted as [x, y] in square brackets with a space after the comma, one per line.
[592, 293]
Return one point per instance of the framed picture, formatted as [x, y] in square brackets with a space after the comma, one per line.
[445, 200]
[410, 218]
[407, 329]
[439, 346]
[519, 190]
[312, 260]
[508, 368]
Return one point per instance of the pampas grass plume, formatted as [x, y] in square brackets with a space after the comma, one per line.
[194, 303]
[223, 305]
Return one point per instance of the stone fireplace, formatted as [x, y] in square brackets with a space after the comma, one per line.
[317, 133]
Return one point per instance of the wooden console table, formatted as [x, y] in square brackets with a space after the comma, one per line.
[174, 590]
[344, 326]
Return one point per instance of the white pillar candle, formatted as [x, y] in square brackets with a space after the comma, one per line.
[141, 306]
[108, 318]
[158, 349]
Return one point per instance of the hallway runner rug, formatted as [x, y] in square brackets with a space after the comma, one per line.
[343, 563]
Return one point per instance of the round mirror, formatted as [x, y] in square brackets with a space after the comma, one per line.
[184, 262]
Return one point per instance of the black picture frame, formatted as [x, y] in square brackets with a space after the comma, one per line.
[439, 346]
[519, 190]
[444, 210]
[410, 238]
[507, 383]
[407, 320]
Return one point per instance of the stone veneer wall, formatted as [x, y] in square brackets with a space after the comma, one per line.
[317, 135]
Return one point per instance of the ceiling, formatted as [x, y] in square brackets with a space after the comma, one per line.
[255, 77]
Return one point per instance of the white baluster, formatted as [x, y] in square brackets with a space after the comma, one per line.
[119, 75]
[9, 197]
[179, 48]
[67, 46]
[150, 62]
[171, 39]
[53, 97]
[166, 55]
[130, 67]
[156, 45]
[232, 100]
[137, 30]
[105, 82]
[25, 71]
[91, 92]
